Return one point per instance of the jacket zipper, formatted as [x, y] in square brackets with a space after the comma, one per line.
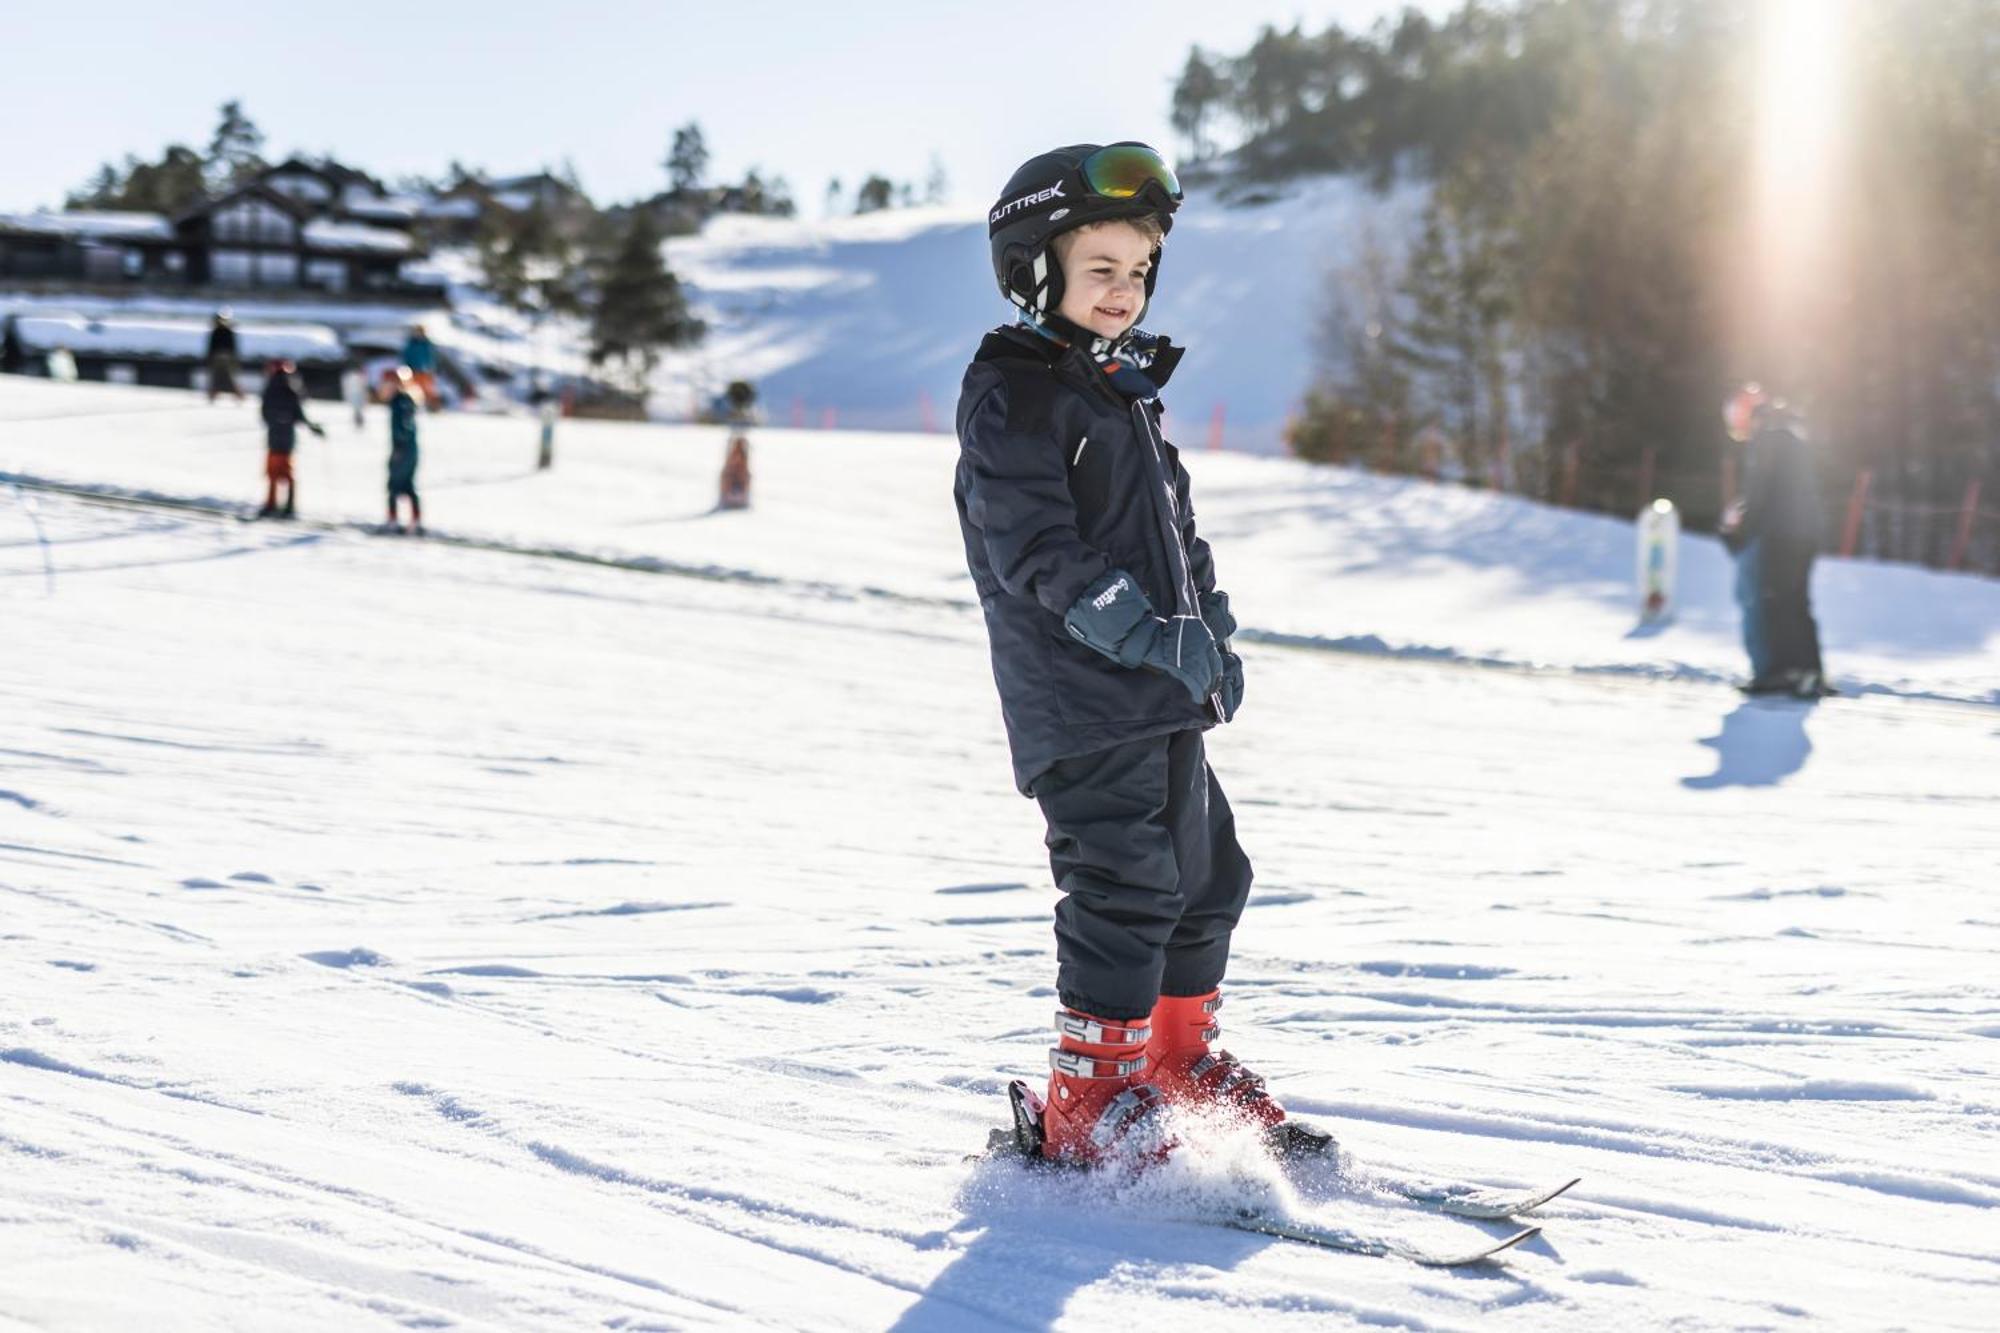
[1190, 606]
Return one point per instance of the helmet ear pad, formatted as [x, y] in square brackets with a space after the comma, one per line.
[1037, 297]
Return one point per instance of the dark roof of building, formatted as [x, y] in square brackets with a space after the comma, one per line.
[300, 209]
[334, 173]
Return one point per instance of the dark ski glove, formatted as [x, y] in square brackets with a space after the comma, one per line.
[1215, 614]
[1114, 617]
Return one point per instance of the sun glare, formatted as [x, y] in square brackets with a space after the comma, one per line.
[1801, 59]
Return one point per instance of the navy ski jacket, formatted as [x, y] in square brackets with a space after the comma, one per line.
[1061, 478]
[283, 410]
[1781, 501]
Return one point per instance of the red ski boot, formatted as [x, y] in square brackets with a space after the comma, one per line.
[1100, 1102]
[1189, 1074]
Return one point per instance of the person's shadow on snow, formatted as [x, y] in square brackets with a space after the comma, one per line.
[1760, 745]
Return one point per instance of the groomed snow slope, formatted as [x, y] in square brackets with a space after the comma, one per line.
[1325, 555]
[395, 935]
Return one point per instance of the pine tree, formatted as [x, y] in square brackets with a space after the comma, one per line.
[1197, 92]
[102, 190]
[233, 150]
[172, 185]
[875, 194]
[1360, 409]
[640, 307]
[687, 161]
[1459, 300]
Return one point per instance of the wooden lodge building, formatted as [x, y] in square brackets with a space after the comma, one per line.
[316, 228]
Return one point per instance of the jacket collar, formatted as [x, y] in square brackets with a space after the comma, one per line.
[1157, 356]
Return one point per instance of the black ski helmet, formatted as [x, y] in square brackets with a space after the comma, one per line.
[1064, 189]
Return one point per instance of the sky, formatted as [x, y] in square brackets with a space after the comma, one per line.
[805, 90]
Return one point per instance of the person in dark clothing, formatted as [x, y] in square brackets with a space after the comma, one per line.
[1774, 531]
[284, 412]
[400, 387]
[1110, 649]
[221, 358]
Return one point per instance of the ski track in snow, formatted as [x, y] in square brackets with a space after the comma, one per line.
[401, 935]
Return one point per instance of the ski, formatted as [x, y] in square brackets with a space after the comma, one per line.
[1295, 1143]
[1475, 1201]
[1385, 1247]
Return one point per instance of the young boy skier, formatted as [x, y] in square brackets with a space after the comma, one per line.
[1110, 648]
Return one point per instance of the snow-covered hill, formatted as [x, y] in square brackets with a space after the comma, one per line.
[875, 316]
[394, 934]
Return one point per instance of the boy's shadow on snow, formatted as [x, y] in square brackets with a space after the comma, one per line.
[1760, 745]
[1039, 1244]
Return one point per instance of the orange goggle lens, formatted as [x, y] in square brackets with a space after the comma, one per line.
[1123, 170]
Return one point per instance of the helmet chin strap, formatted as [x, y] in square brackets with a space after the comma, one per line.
[1066, 332]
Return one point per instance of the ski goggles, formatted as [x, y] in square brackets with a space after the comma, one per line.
[1124, 170]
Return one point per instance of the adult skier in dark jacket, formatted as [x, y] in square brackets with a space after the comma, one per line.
[1775, 531]
[220, 358]
[1110, 647]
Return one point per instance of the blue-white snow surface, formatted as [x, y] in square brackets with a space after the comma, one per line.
[399, 934]
[1311, 555]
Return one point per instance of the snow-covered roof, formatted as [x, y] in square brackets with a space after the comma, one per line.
[356, 236]
[93, 225]
[451, 208]
[532, 181]
[174, 338]
[402, 209]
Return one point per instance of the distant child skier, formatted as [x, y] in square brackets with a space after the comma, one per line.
[284, 411]
[354, 388]
[548, 409]
[399, 386]
[739, 402]
[1110, 646]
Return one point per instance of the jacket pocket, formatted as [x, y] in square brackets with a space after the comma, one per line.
[1091, 690]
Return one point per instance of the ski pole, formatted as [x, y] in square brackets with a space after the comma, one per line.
[33, 511]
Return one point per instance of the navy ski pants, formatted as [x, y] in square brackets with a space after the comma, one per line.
[1143, 846]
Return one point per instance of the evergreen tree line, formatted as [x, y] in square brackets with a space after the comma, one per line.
[1583, 286]
[183, 176]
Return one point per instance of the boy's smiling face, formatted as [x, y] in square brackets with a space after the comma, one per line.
[1104, 276]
